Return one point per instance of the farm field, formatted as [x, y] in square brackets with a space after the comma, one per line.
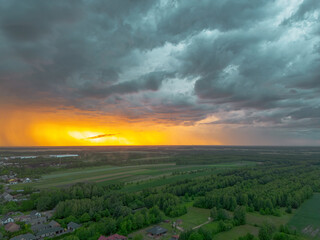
[307, 218]
[152, 175]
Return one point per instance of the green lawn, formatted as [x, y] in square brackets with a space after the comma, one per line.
[258, 219]
[307, 218]
[194, 217]
[237, 232]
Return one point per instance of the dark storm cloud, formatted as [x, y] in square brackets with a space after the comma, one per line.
[103, 135]
[306, 7]
[149, 82]
[246, 62]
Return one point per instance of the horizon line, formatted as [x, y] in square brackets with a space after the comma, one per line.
[160, 145]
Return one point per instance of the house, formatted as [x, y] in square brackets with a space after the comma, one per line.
[47, 214]
[35, 214]
[27, 180]
[6, 220]
[50, 232]
[113, 237]
[24, 218]
[36, 221]
[13, 181]
[157, 231]
[54, 224]
[39, 227]
[7, 197]
[73, 226]
[27, 236]
[12, 227]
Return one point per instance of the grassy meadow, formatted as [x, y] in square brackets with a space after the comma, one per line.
[137, 177]
[307, 218]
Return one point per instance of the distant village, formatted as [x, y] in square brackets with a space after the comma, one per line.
[41, 225]
[8, 194]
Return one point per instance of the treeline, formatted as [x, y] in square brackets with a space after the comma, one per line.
[259, 189]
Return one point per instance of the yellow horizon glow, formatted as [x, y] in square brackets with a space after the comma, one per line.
[30, 128]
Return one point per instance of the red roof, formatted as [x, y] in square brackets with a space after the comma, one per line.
[12, 227]
[113, 237]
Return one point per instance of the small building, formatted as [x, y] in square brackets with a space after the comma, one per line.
[39, 227]
[7, 197]
[13, 181]
[12, 227]
[157, 231]
[72, 226]
[27, 236]
[27, 180]
[36, 221]
[35, 214]
[23, 218]
[47, 214]
[53, 223]
[50, 232]
[5, 220]
[113, 237]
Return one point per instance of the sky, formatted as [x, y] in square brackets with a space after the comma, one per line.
[169, 72]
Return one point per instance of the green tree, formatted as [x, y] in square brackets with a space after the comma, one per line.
[214, 214]
[85, 218]
[195, 236]
[239, 216]
[266, 232]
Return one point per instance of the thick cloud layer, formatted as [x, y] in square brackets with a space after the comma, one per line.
[250, 64]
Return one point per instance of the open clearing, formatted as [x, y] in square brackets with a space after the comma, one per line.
[307, 218]
[194, 217]
[152, 175]
[237, 232]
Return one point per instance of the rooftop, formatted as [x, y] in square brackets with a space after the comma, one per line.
[157, 230]
[73, 225]
[113, 237]
[27, 236]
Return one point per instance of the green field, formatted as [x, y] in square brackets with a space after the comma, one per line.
[307, 218]
[137, 177]
[194, 217]
[258, 219]
[237, 232]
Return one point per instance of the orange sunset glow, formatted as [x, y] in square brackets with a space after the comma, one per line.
[72, 129]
